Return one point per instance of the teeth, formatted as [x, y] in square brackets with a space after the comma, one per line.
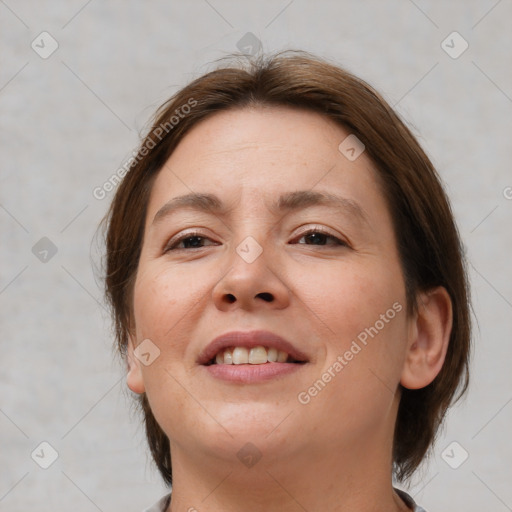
[228, 356]
[256, 355]
[272, 355]
[240, 355]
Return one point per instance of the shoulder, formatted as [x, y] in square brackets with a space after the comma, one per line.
[161, 505]
[409, 501]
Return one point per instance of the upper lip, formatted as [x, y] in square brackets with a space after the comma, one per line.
[249, 339]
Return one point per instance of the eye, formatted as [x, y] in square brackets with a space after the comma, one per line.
[195, 240]
[319, 236]
[192, 240]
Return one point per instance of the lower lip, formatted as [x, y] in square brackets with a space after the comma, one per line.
[249, 373]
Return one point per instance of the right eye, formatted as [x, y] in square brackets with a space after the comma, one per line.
[189, 241]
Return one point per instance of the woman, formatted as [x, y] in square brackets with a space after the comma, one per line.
[289, 292]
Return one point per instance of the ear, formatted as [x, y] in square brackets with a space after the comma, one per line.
[429, 336]
[134, 378]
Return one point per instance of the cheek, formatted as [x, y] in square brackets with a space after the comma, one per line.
[363, 312]
[349, 298]
[359, 379]
[162, 296]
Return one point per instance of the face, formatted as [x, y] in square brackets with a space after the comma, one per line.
[298, 242]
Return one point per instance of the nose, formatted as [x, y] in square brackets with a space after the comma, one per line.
[252, 284]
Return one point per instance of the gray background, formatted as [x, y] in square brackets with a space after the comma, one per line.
[70, 120]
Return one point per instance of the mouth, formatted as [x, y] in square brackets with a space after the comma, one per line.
[251, 356]
[254, 355]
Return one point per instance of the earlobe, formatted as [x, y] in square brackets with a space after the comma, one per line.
[429, 338]
[134, 378]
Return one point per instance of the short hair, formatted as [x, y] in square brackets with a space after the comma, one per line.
[429, 246]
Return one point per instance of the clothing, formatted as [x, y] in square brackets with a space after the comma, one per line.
[408, 501]
[163, 503]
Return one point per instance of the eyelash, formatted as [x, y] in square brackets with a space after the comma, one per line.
[194, 234]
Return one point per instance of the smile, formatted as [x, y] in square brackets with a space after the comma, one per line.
[254, 355]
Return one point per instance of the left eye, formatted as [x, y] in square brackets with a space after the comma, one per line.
[319, 237]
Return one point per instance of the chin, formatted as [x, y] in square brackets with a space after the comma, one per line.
[266, 426]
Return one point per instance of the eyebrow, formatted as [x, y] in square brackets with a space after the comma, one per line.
[287, 202]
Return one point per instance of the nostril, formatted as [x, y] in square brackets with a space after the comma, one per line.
[267, 297]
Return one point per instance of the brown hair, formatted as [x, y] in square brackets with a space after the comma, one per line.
[428, 241]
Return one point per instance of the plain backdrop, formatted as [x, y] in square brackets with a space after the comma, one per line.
[69, 119]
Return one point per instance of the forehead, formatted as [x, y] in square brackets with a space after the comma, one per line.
[292, 131]
[264, 151]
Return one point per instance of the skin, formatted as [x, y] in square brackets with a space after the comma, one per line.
[333, 453]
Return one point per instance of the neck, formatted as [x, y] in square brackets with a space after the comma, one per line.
[355, 480]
